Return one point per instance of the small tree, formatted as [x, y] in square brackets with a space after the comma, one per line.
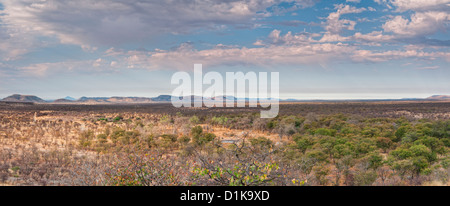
[384, 143]
[194, 120]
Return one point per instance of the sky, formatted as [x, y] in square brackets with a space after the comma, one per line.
[353, 49]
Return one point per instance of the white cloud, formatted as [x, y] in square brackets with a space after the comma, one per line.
[421, 5]
[267, 56]
[335, 24]
[111, 22]
[380, 1]
[276, 50]
[86, 66]
[425, 19]
[91, 24]
[327, 37]
[13, 43]
[375, 36]
[429, 68]
[276, 38]
[421, 24]
[367, 55]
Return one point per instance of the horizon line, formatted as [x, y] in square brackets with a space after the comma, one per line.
[248, 98]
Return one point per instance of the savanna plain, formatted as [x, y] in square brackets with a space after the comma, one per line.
[308, 143]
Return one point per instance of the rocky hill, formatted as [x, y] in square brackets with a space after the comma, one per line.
[23, 98]
[439, 97]
[63, 101]
[162, 98]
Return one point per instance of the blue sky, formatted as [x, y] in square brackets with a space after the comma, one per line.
[323, 49]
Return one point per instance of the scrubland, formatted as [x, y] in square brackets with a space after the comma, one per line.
[369, 143]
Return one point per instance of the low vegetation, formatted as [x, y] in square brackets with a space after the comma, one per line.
[340, 144]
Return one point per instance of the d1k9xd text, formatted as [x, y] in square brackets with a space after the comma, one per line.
[227, 195]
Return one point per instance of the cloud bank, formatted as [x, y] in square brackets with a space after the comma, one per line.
[409, 31]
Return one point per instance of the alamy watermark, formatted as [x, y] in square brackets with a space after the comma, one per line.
[191, 93]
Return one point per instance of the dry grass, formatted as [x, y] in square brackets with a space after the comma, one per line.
[63, 144]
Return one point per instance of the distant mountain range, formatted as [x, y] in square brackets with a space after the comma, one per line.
[167, 98]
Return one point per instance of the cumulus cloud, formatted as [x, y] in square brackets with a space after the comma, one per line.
[421, 24]
[413, 22]
[276, 50]
[98, 23]
[275, 37]
[375, 36]
[421, 5]
[267, 56]
[335, 24]
[106, 22]
[425, 19]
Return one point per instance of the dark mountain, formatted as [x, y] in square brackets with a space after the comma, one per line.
[22, 98]
[93, 99]
[64, 100]
[162, 98]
